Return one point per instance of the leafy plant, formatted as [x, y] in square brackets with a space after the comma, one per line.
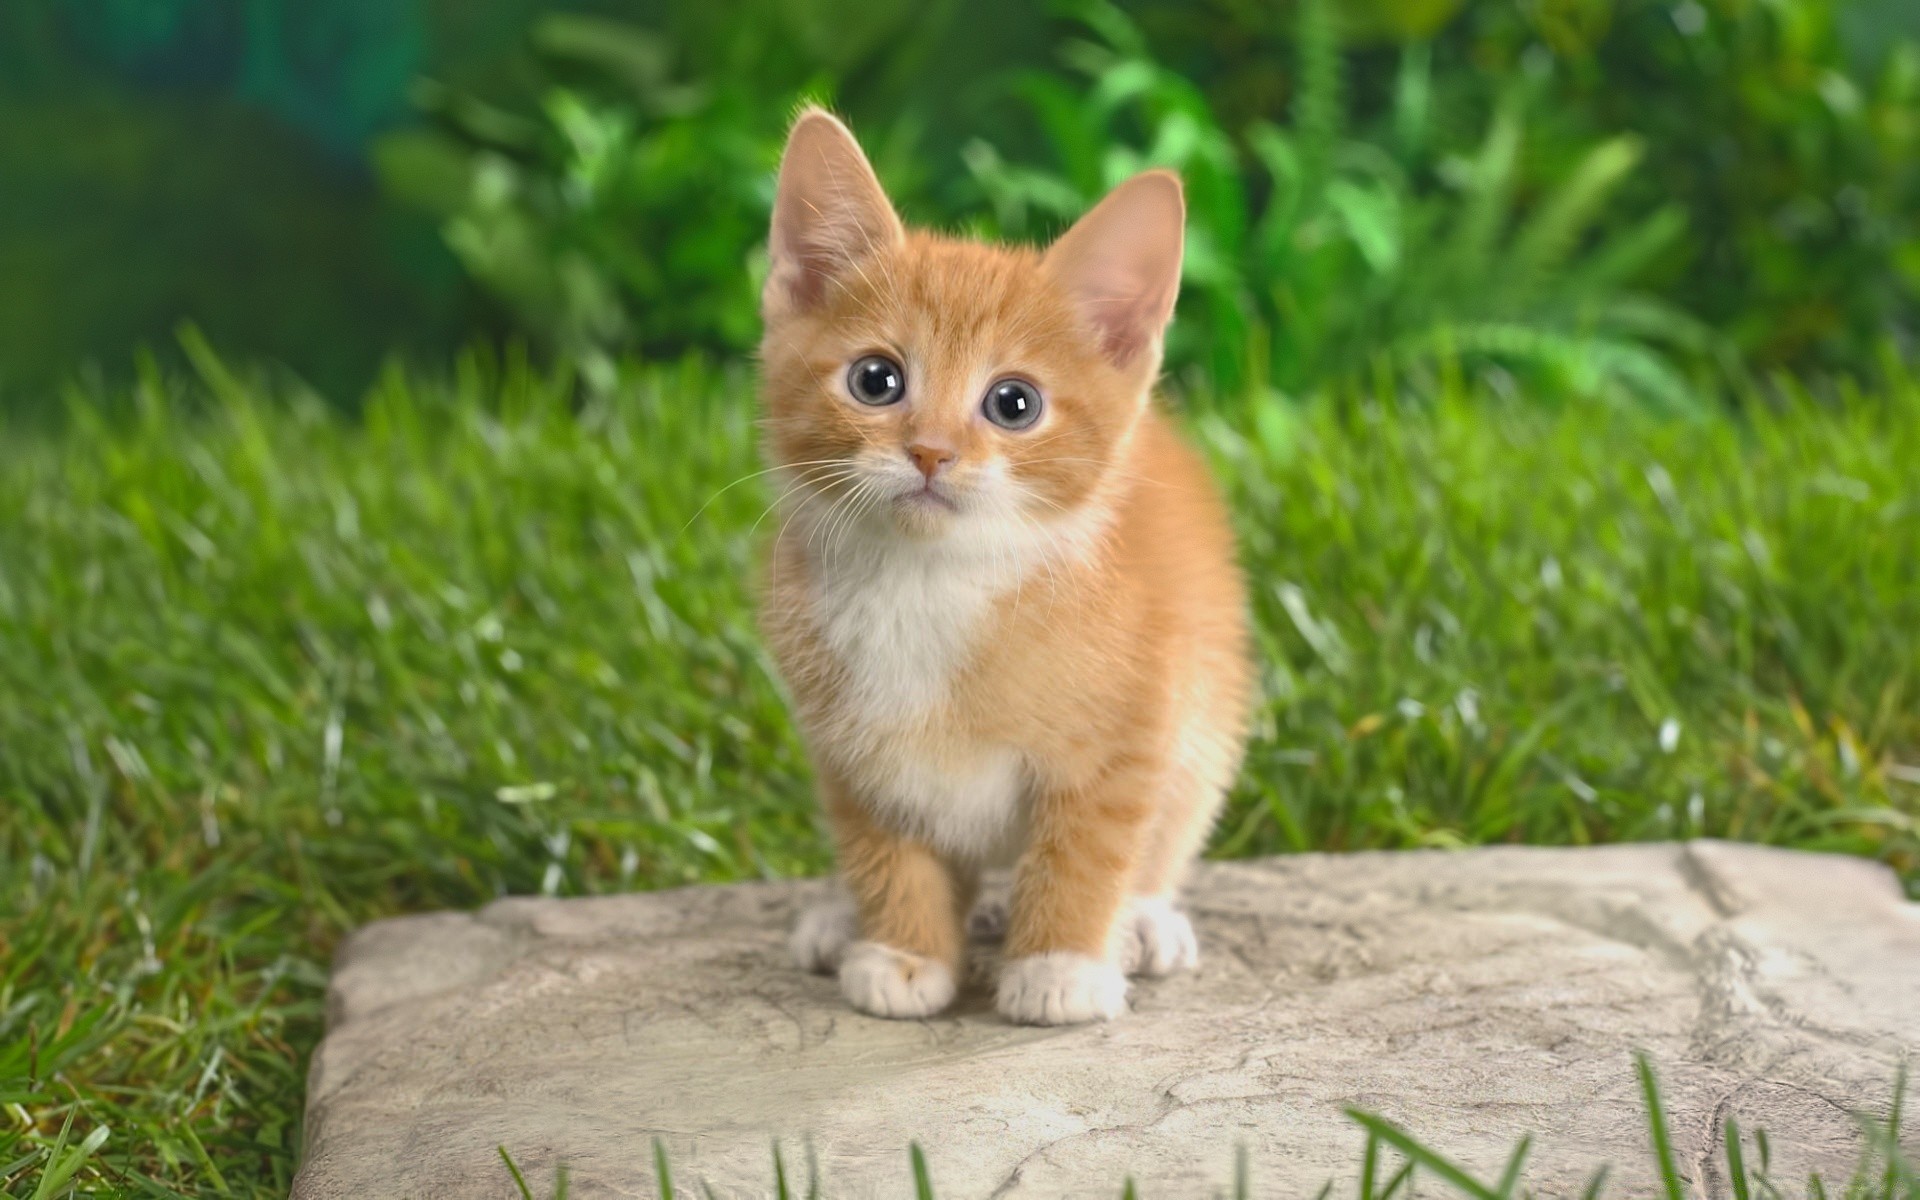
[1317, 257]
[624, 213]
[1789, 131]
[614, 217]
[623, 206]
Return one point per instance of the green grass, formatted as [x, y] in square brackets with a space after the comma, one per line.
[268, 672]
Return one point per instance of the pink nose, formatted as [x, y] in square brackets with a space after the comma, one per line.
[930, 458]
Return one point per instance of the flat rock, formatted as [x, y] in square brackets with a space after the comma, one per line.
[1470, 996]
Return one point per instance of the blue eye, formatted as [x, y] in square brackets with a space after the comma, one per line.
[1013, 404]
[876, 380]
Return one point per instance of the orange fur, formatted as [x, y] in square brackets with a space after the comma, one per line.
[1040, 656]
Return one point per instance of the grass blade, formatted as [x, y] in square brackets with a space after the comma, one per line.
[1595, 1184]
[513, 1169]
[922, 1183]
[61, 1168]
[661, 1170]
[1403, 1178]
[1895, 1118]
[1447, 1170]
[1511, 1176]
[1657, 1127]
[1736, 1162]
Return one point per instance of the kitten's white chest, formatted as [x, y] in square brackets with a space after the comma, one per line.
[901, 621]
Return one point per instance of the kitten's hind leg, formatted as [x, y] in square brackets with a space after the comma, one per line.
[1155, 938]
[822, 934]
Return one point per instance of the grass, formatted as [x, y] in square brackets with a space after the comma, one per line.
[268, 672]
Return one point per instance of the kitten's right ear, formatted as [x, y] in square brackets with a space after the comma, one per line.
[1120, 264]
[829, 212]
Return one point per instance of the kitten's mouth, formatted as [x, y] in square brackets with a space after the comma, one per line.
[928, 497]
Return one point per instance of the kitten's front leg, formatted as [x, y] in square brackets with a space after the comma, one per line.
[1067, 895]
[910, 908]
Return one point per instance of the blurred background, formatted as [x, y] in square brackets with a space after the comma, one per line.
[1636, 197]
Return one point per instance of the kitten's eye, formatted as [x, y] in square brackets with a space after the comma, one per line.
[876, 380]
[1013, 404]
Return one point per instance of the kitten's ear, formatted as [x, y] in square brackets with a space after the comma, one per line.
[1120, 263]
[829, 212]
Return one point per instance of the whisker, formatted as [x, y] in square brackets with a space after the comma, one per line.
[820, 484]
[755, 475]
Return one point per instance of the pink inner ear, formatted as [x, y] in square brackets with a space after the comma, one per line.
[816, 242]
[829, 213]
[1126, 326]
[806, 282]
[1120, 264]
[1128, 313]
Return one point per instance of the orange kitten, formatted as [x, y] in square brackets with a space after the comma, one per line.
[1004, 594]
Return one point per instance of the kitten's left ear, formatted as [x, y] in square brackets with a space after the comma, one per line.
[1120, 264]
[829, 212]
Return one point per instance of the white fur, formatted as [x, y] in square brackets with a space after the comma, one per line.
[1155, 938]
[901, 616]
[901, 607]
[886, 982]
[1061, 989]
[902, 611]
[971, 809]
[822, 934]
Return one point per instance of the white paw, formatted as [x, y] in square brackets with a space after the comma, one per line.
[886, 982]
[1155, 938]
[1061, 989]
[822, 935]
[988, 921]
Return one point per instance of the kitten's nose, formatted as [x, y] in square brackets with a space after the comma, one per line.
[930, 458]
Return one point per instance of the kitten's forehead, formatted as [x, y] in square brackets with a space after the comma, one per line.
[958, 298]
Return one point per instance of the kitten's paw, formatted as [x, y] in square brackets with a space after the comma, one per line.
[1156, 938]
[886, 982]
[1061, 989]
[988, 920]
[822, 934]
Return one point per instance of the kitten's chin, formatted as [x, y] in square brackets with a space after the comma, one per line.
[924, 513]
[924, 517]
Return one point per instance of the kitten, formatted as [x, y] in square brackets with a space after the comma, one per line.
[1004, 596]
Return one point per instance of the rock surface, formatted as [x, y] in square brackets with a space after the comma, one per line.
[1470, 996]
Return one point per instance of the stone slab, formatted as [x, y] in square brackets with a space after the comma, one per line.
[1471, 996]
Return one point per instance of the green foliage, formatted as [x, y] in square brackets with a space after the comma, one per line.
[1316, 257]
[1364, 174]
[625, 213]
[268, 672]
[604, 223]
[1788, 131]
